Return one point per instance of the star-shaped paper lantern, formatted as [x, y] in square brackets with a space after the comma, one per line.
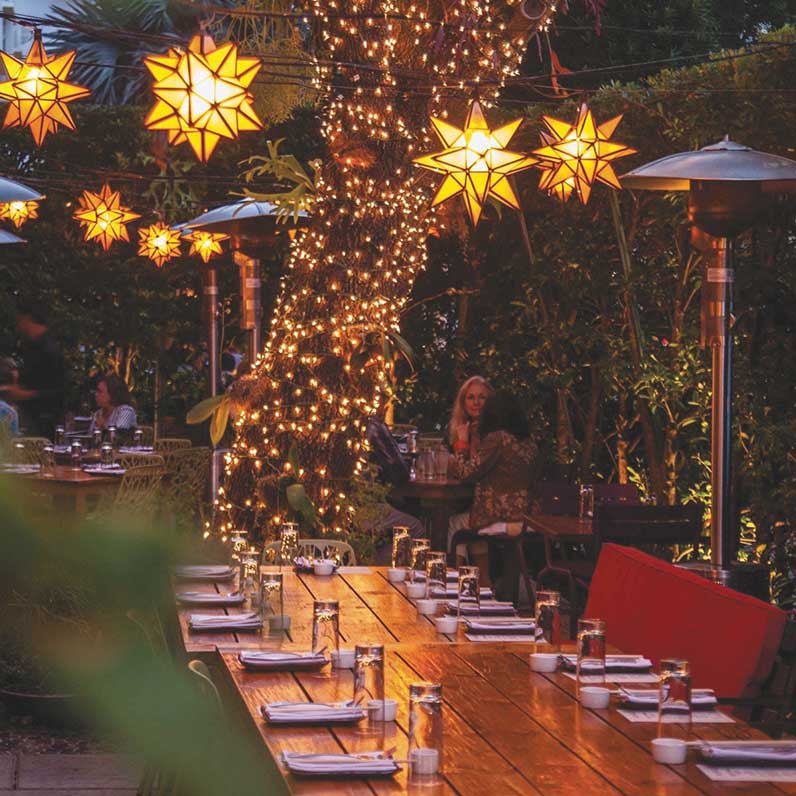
[202, 95]
[103, 216]
[38, 91]
[574, 156]
[159, 242]
[206, 244]
[475, 162]
[19, 212]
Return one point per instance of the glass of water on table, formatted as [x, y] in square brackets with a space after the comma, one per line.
[591, 652]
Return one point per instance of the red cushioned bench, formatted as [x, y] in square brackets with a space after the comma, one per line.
[658, 610]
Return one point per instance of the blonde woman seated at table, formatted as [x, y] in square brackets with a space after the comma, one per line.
[113, 405]
[502, 470]
[463, 431]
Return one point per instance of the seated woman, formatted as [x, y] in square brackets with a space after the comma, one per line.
[502, 470]
[113, 405]
[463, 431]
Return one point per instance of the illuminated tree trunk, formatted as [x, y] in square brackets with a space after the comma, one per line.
[302, 413]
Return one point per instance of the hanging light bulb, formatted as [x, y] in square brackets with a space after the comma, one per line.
[159, 242]
[19, 212]
[38, 92]
[103, 216]
[574, 156]
[475, 162]
[202, 95]
[206, 244]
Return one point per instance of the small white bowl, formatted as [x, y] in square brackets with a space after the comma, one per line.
[544, 661]
[397, 575]
[342, 659]
[382, 710]
[323, 567]
[593, 696]
[426, 607]
[446, 624]
[415, 590]
[671, 751]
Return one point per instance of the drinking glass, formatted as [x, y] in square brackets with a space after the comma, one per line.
[591, 652]
[469, 592]
[368, 673]
[19, 454]
[48, 461]
[138, 438]
[419, 549]
[586, 502]
[288, 544]
[60, 435]
[436, 574]
[96, 438]
[423, 466]
[326, 625]
[548, 620]
[401, 547]
[272, 597]
[441, 464]
[249, 572]
[106, 455]
[75, 454]
[674, 694]
[112, 435]
[425, 731]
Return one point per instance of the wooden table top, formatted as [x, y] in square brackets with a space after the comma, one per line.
[64, 475]
[561, 527]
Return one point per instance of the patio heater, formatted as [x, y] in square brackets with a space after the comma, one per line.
[11, 191]
[9, 237]
[729, 188]
[250, 225]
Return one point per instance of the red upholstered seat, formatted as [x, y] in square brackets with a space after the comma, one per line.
[656, 609]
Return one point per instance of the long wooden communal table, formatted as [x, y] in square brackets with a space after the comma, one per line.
[507, 729]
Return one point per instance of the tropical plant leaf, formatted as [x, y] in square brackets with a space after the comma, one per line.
[300, 503]
[203, 410]
[218, 425]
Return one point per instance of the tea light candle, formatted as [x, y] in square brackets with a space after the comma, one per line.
[424, 761]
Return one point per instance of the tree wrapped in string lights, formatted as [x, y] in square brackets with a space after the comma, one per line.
[385, 66]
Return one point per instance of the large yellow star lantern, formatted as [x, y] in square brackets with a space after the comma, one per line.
[38, 92]
[202, 95]
[475, 162]
[574, 156]
[206, 244]
[103, 216]
[19, 212]
[159, 242]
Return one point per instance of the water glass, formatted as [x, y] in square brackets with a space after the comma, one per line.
[586, 511]
[75, 454]
[249, 572]
[106, 455]
[96, 438]
[288, 544]
[112, 435]
[326, 625]
[425, 731]
[548, 620]
[469, 592]
[436, 574]
[19, 454]
[368, 674]
[401, 547]
[272, 595]
[60, 435]
[420, 547]
[441, 457]
[48, 461]
[591, 652]
[674, 694]
[138, 438]
[424, 466]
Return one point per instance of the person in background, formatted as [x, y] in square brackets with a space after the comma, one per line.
[113, 405]
[502, 471]
[463, 429]
[9, 419]
[42, 379]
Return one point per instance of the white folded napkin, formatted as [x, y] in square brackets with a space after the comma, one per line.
[277, 660]
[452, 576]
[204, 572]
[613, 663]
[781, 753]
[507, 626]
[137, 449]
[647, 697]
[209, 622]
[453, 591]
[493, 607]
[311, 712]
[331, 764]
[201, 598]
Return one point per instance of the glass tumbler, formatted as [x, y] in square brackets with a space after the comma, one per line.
[288, 544]
[249, 572]
[591, 652]
[436, 574]
[96, 438]
[425, 731]
[112, 435]
[548, 620]
[420, 547]
[401, 547]
[469, 592]
[75, 454]
[60, 435]
[272, 598]
[674, 694]
[48, 461]
[586, 511]
[368, 674]
[326, 625]
[138, 438]
[441, 457]
[106, 455]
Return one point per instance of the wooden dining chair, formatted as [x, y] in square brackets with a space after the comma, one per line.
[166, 444]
